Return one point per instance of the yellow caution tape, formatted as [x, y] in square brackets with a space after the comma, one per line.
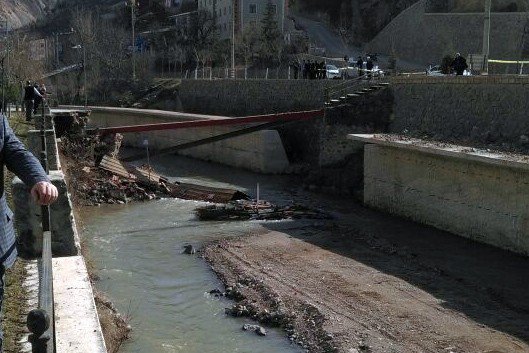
[509, 61]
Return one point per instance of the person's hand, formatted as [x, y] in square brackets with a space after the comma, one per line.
[44, 193]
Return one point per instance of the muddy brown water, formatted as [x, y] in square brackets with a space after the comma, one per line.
[138, 252]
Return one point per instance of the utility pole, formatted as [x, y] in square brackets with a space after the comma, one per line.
[486, 35]
[233, 38]
[82, 46]
[5, 64]
[133, 22]
[85, 81]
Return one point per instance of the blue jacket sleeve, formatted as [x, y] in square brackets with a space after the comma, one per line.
[19, 160]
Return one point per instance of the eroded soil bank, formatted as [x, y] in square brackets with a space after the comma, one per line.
[367, 282]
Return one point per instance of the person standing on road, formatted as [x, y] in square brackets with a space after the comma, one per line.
[459, 64]
[30, 95]
[360, 66]
[369, 67]
[20, 161]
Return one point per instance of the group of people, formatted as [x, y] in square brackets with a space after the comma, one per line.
[34, 95]
[314, 70]
[309, 69]
[369, 65]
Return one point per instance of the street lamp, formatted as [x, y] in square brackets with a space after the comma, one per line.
[486, 35]
[5, 66]
[79, 46]
[133, 4]
[233, 39]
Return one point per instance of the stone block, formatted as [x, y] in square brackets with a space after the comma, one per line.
[35, 146]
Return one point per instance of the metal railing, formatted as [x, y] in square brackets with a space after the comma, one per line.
[40, 321]
[352, 85]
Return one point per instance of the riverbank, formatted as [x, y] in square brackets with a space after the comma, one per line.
[367, 282]
[116, 329]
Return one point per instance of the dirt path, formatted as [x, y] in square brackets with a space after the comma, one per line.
[367, 282]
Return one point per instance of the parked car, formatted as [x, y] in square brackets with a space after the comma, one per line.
[434, 70]
[333, 72]
[352, 71]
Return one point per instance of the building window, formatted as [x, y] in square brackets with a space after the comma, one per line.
[274, 9]
[253, 8]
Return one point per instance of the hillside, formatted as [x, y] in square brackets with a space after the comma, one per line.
[363, 19]
[369, 17]
[22, 12]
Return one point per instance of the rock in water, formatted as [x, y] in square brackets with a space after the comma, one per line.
[255, 328]
[216, 292]
[249, 327]
[189, 250]
[261, 331]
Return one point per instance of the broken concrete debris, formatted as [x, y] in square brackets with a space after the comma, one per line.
[242, 210]
[101, 177]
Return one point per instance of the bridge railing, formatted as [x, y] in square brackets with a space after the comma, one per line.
[40, 321]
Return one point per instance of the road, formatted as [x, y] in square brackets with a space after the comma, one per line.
[324, 37]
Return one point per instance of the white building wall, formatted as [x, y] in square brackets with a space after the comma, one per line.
[250, 12]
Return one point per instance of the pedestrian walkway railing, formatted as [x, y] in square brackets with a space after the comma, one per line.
[40, 321]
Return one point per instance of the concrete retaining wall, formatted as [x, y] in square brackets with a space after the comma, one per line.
[487, 202]
[260, 151]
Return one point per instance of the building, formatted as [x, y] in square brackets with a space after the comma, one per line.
[182, 21]
[242, 13]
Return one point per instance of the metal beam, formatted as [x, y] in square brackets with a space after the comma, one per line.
[282, 117]
[208, 140]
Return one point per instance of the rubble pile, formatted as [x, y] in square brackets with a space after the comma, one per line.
[97, 175]
[94, 185]
[243, 210]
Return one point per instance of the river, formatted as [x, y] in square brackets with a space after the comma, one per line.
[137, 249]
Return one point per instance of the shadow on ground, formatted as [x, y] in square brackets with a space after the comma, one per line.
[484, 283]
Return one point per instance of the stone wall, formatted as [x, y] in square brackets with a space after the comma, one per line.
[340, 160]
[252, 97]
[425, 38]
[484, 111]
